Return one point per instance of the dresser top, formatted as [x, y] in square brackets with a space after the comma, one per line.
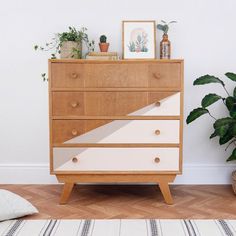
[85, 61]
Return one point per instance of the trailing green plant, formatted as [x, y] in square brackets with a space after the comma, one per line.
[73, 35]
[224, 128]
[165, 26]
[103, 39]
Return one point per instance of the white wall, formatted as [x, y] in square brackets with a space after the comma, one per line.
[205, 37]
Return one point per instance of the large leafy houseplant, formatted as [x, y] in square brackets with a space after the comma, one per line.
[224, 128]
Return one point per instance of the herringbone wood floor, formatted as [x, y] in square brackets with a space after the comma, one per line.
[89, 201]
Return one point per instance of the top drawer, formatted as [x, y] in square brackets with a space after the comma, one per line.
[115, 75]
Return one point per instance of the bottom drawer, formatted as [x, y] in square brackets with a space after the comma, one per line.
[116, 159]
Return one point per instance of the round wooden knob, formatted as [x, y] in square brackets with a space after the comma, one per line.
[74, 132]
[75, 160]
[157, 159]
[158, 104]
[156, 75]
[74, 75]
[74, 104]
[157, 132]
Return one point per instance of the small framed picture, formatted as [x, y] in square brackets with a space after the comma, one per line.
[139, 39]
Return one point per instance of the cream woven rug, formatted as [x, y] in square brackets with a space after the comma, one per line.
[118, 227]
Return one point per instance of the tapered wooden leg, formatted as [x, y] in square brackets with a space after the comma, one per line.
[67, 188]
[165, 190]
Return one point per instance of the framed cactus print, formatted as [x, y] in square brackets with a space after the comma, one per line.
[139, 39]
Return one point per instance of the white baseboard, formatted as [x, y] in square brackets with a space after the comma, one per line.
[192, 174]
[26, 174]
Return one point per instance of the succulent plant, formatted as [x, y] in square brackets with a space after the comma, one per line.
[103, 39]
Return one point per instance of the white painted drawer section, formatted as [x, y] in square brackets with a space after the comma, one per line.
[116, 159]
[169, 106]
[134, 131]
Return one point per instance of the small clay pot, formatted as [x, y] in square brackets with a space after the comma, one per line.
[104, 47]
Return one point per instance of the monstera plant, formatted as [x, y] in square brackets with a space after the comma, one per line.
[224, 128]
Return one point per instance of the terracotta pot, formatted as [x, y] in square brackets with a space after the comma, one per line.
[104, 47]
[67, 50]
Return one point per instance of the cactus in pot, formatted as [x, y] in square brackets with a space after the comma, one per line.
[103, 43]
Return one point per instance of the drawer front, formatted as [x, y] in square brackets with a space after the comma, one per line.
[64, 130]
[116, 75]
[164, 75]
[116, 103]
[67, 75]
[68, 103]
[116, 159]
[132, 131]
[154, 75]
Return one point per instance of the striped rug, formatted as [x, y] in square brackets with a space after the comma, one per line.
[118, 227]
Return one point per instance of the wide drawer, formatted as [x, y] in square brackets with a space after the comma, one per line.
[116, 159]
[116, 75]
[116, 103]
[130, 131]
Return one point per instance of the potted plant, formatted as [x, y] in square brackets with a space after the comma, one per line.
[103, 43]
[68, 44]
[165, 44]
[224, 128]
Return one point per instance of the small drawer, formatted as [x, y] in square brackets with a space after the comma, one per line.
[64, 130]
[164, 75]
[131, 131]
[116, 159]
[67, 103]
[67, 75]
[116, 75]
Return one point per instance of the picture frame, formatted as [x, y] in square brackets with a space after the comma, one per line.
[139, 39]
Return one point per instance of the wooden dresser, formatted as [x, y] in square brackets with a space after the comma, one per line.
[116, 122]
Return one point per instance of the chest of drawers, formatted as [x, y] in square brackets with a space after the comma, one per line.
[116, 122]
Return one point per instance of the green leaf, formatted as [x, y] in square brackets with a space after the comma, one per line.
[173, 21]
[232, 156]
[210, 99]
[160, 27]
[226, 138]
[235, 92]
[214, 134]
[222, 122]
[233, 112]
[233, 129]
[230, 102]
[196, 113]
[222, 130]
[206, 79]
[231, 76]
